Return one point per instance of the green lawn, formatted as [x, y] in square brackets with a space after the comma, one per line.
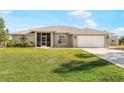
[35, 64]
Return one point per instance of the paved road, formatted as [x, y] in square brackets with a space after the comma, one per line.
[112, 55]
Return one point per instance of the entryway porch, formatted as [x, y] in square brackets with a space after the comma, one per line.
[45, 39]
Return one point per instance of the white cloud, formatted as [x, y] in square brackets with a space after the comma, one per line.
[81, 13]
[91, 23]
[5, 12]
[119, 30]
[85, 17]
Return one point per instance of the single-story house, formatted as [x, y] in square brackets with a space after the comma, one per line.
[63, 36]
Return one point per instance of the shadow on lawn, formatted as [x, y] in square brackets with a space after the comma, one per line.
[75, 65]
[84, 55]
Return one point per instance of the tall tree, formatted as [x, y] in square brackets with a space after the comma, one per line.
[3, 33]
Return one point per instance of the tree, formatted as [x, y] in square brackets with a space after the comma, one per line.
[3, 33]
[121, 40]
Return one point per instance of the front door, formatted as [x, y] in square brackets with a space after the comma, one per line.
[44, 40]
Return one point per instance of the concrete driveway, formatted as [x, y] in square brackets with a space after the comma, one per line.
[112, 55]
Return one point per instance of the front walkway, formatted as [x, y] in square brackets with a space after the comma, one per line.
[112, 55]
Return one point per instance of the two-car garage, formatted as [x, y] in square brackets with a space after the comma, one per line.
[90, 41]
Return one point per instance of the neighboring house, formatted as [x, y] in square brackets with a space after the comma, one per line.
[113, 39]
[63, 36]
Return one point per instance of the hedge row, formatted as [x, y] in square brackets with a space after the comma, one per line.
[19, 44]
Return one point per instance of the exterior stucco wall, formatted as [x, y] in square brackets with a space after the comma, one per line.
[74, 41]
[71, 39]
[106, 37]
[30, 37]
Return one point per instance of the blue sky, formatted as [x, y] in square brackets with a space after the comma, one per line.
[109, 20]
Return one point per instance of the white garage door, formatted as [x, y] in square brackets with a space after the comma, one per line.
[90, 41]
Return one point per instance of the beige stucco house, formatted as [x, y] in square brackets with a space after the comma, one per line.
[63, 36]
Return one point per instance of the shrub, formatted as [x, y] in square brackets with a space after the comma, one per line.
[19, 44]
[27, 44]
[10, 43]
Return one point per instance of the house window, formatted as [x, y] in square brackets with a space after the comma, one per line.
[61, 39]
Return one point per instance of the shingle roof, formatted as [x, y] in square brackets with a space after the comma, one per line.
[62, 29]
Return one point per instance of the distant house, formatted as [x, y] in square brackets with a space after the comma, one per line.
[113, 39]
[63, 36]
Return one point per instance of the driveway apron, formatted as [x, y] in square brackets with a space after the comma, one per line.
[112, 55]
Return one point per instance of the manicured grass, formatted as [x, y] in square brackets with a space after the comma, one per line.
[33, 64]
